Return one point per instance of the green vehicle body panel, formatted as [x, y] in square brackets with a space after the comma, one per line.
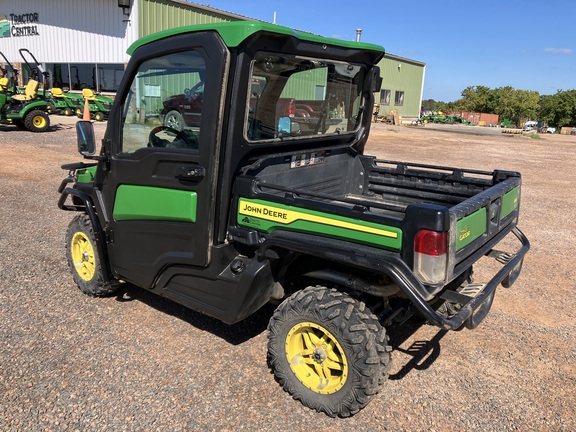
[234, 33]
[86, 175]
[268, 216]
[153, 203]
[509, 202]
[469, 228]
[41, 105]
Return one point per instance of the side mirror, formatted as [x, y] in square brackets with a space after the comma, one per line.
[86, 140]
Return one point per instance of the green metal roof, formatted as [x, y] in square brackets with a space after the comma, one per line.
[234, 33]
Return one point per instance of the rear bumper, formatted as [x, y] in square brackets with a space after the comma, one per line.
[476, 309]
[473, 309]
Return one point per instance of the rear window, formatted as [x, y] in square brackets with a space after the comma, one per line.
[294, 97]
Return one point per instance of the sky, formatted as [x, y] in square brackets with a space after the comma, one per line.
[526, 44]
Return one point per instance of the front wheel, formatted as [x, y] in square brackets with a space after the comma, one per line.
[328, 351]
[83, 260]
[174, 120]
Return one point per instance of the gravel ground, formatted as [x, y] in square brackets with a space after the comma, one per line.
[137, 362]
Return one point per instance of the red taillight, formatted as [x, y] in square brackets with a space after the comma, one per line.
[290, 108]
[431, 242]
[430, 256]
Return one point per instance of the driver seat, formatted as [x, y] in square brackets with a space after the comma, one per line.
[88, 94]
[4, 84]
[57, 92]
[29, 93]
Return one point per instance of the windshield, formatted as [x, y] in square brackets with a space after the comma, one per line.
[294, 97]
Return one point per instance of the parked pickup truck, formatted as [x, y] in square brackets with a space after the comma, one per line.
[245, 209]
[308, 116]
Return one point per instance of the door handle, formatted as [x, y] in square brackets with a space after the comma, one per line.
[190, 173]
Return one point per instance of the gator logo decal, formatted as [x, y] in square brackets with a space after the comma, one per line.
[464, 233]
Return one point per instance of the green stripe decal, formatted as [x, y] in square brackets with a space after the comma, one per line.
[509, 202]
[267, 216]
[153, 203]
[471, 227]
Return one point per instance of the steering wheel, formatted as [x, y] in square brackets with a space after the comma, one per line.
[181, 140]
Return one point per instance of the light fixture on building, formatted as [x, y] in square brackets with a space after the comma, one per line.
[125, 5]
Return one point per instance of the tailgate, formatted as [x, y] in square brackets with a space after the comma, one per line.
[481, 221]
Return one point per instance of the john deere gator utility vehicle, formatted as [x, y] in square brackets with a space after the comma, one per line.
[263, 200]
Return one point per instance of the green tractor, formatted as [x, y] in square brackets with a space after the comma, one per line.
[98, 105]
[24, 110]
[59, 102]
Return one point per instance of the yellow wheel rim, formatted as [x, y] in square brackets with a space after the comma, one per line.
[83, 256]
[316, 358]
[39, 121]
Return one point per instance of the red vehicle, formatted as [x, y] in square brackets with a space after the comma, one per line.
[184, 109]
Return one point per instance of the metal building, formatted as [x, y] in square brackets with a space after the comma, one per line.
[402, 86]
[83, 43]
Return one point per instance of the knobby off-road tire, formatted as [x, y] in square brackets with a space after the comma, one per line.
[37, 121]
[83, 259]
[328, 351]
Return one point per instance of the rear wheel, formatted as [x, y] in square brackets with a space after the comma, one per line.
[36, 121]
[83, 259]
[328, 351]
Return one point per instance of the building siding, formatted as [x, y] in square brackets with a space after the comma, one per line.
[157, 15]
[96, 32]
[71, 31]
[400, 74]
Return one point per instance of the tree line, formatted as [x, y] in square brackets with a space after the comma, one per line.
[518, 106]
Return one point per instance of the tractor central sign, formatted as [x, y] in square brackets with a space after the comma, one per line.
[16, 25]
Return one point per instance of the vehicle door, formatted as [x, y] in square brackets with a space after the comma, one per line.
[159, 191]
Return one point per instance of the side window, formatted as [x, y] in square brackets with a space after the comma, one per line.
[164, 106]
[384, 97]
[399, 98]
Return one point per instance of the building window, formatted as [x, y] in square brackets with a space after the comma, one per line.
[384, 97]
[99, 77]
[399, 98]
